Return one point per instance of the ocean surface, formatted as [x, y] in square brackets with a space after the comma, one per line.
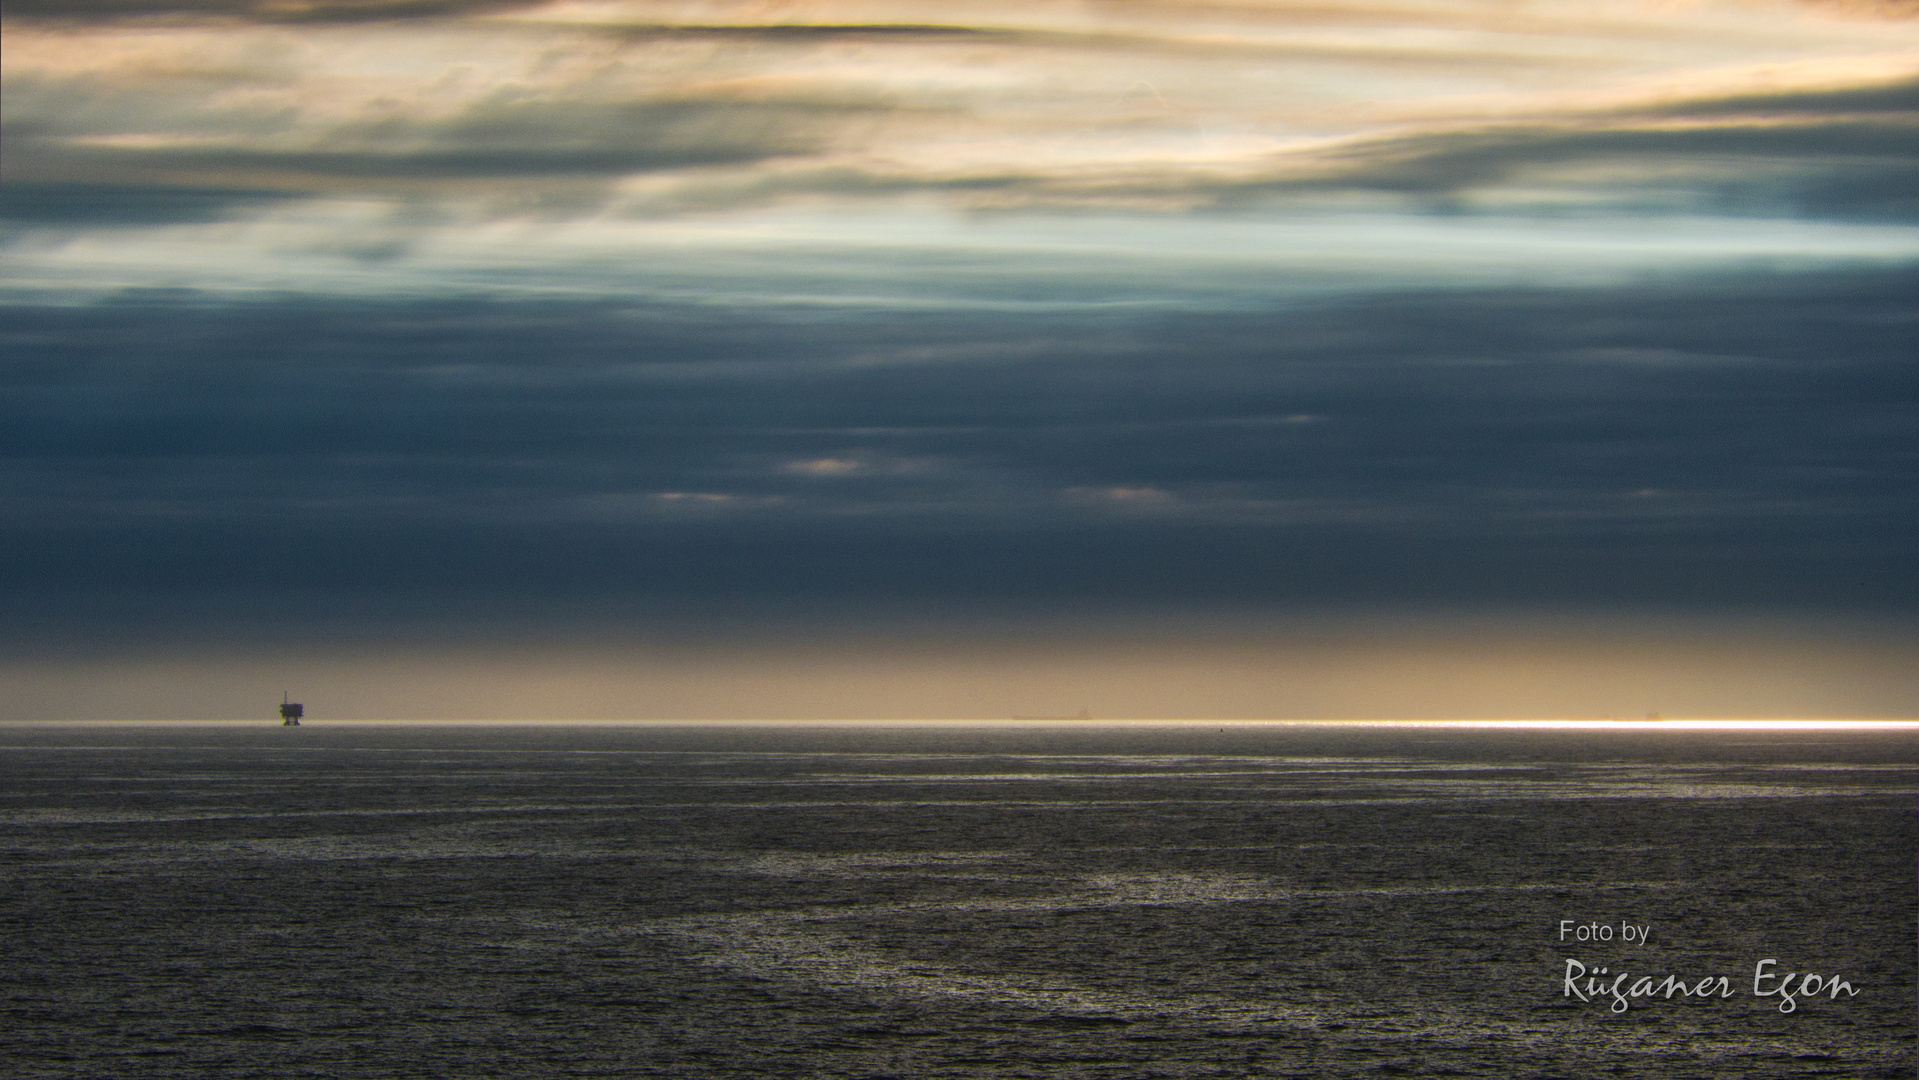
[1060, 900]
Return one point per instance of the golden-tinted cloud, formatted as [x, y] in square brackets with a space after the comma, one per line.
[270, 11]
[646, 108]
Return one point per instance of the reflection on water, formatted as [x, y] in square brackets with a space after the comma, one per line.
[945, 901]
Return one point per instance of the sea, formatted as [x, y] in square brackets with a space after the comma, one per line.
[1070, 899]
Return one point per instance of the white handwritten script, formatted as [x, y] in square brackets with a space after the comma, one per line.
[1601, 983]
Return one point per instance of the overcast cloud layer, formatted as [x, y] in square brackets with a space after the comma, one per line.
[608, 316]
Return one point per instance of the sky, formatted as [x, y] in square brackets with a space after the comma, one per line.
[1234, 358]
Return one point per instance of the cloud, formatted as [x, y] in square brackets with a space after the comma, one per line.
[1815, 158]
[503, 140]
[1735, 437]
[268, 11]
[1899, 96]
[1880, 9]
[1153, 108]
[118, 205]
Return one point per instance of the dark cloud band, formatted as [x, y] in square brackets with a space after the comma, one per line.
[1745, 437]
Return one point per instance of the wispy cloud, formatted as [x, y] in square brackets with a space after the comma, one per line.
[637, 108]
[269, 11]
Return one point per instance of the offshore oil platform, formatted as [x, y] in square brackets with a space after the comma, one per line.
[290, 711]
